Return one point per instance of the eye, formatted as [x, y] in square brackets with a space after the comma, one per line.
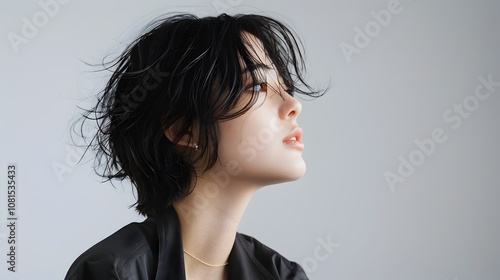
[260, 87]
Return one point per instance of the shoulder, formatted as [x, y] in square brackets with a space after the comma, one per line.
[130, 249]
[270, 260]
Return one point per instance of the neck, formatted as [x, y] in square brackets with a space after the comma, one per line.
[209, 217]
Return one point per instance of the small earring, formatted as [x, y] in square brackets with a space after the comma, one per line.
[195, 147]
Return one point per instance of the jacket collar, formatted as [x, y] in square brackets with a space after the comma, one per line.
[170, 253]
[242, 264]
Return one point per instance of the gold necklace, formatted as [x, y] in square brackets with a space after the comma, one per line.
[205, 263]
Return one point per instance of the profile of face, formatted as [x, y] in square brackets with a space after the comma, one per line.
[266, 141]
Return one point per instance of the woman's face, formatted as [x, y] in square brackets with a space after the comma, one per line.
[264, 145]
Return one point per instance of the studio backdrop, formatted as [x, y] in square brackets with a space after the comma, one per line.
[402, 152]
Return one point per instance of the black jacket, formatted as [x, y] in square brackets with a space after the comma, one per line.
[153, 250]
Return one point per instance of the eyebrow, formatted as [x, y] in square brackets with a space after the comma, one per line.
[255, 67]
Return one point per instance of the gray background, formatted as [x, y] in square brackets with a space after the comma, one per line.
[441, 223]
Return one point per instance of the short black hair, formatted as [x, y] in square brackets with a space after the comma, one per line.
[183, 70]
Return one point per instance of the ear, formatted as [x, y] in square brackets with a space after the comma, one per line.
[187, 139]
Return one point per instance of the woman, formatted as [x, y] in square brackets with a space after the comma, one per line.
[199, 114]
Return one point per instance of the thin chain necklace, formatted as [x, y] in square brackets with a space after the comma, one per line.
[205, 263]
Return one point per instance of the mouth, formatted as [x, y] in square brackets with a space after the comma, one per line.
[294, 139]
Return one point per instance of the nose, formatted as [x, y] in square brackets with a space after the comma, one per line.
[290, 108]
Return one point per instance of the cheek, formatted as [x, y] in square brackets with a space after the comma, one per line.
[242, 138]
[255, 144]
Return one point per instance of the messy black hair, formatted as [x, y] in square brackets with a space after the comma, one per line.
[183, 71]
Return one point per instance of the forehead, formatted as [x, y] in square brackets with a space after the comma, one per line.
[255, 49]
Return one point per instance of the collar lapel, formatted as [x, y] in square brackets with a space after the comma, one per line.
[243, 265]
[171, 258]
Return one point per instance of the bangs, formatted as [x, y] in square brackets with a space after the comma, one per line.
[232, 64]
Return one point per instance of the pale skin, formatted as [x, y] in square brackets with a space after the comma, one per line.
[210, 215]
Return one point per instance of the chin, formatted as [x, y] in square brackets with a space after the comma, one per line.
[276, 172]
[293, 172]
[300, 172]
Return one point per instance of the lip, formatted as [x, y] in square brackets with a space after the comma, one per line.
[297, 142]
